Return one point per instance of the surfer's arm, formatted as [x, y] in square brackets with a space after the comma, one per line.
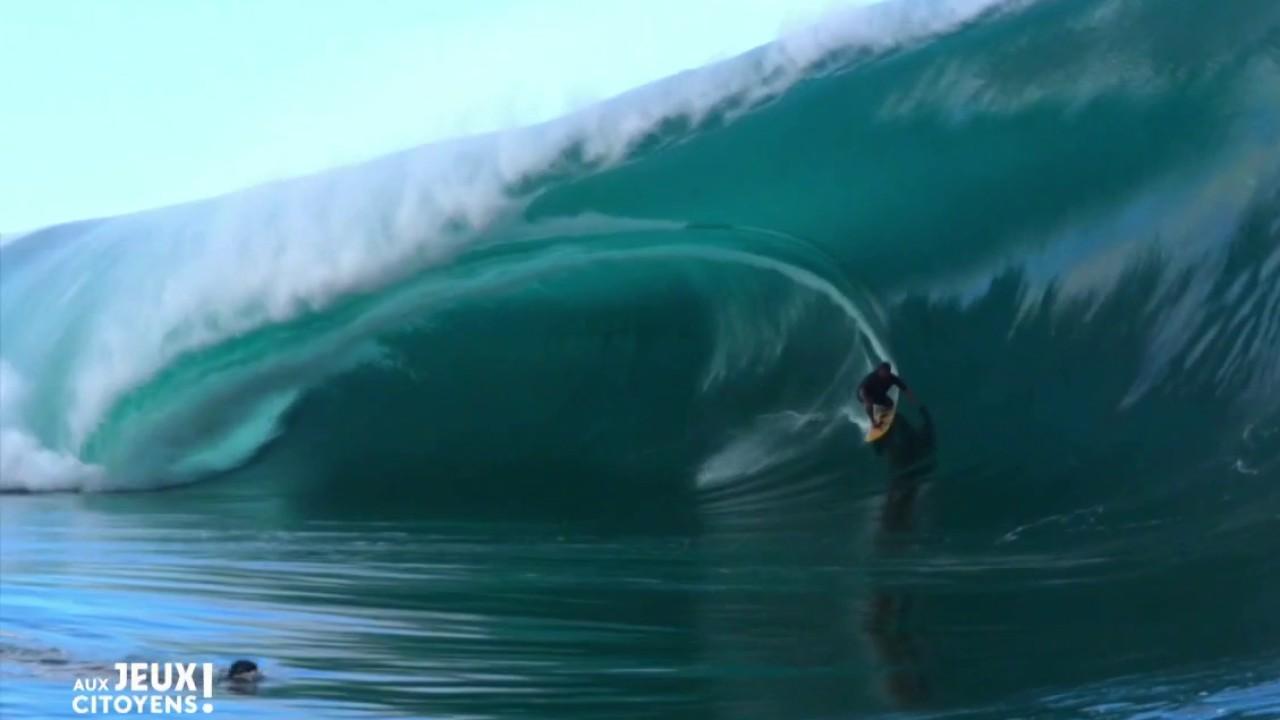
[906, 390]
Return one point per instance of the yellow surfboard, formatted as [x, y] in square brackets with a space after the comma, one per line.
[884, 420]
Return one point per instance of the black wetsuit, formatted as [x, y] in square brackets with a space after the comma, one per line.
[875, 389]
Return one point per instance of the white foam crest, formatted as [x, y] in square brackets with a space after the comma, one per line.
[876, 28]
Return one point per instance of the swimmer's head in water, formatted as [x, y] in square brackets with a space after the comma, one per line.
[884, 369]
[243, 671]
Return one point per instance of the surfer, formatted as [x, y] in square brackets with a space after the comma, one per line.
[874, 392]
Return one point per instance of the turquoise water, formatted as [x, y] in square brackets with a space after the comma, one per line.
[560, 422]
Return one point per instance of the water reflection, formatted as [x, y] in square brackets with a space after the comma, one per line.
[910, 452]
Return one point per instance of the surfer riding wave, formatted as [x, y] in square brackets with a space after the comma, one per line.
[873, 391]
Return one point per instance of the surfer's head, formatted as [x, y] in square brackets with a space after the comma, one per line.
[884, 369]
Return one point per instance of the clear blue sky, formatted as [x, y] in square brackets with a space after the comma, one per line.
[112, 106]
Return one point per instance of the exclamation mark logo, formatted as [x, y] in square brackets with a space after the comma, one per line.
[208, 687]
